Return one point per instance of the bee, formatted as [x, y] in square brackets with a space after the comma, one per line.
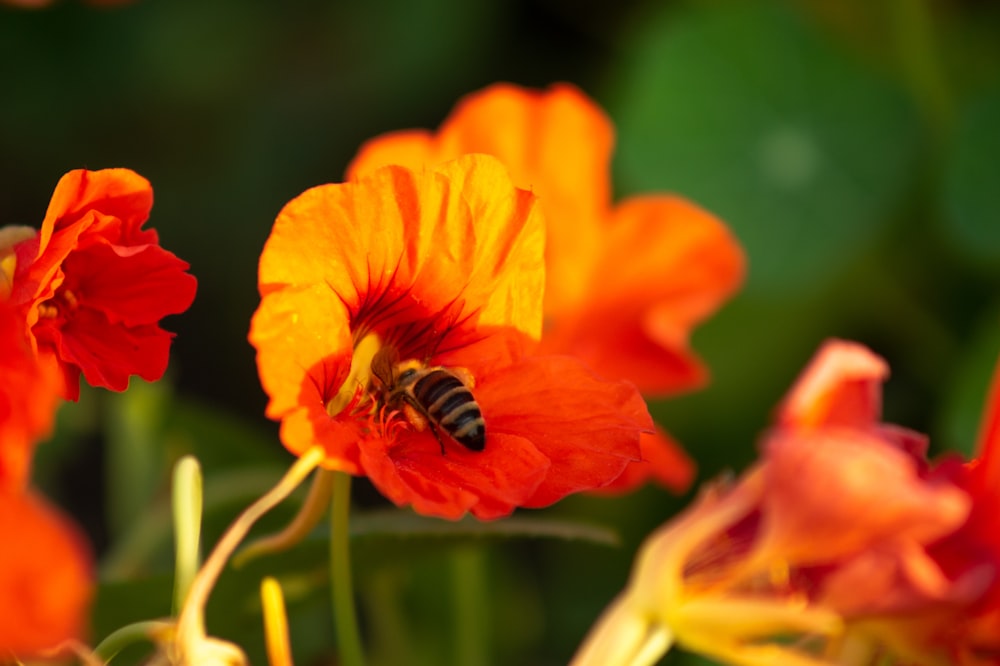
[436, 396]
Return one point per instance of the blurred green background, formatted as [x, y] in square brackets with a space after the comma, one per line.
[853, 147]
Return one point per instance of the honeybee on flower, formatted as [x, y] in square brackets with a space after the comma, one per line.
[445, 265]
[435, 397]
[625, 283]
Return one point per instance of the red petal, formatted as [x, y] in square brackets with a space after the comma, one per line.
[663, 460]
[988, 458]
[135, 285]
[490, 484]
[587, 427]
[108, 353]
[28, 399]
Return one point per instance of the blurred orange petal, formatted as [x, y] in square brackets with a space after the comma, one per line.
[46, 577]
[666, 266]
[841, 386]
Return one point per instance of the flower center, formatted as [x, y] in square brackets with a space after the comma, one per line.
[63, 302]
[356, 383]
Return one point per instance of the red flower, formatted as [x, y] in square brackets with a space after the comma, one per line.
[94, 285]
[45, 566]
[444, 268]
[971, 634]
[28, 396]
[625, 285]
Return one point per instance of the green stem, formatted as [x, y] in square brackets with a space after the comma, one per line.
[151, 630]
[469, 594]
[344, 613]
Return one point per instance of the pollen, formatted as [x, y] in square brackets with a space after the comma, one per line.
[64, 301]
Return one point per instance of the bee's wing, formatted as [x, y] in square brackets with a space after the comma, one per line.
[384, 365]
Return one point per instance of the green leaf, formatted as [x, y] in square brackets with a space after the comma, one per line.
[752, 114]
[972, 171]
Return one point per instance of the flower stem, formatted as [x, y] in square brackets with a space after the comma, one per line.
[471, 627]
[187, 506]
[150, 630]
[190, 622]
[344, 613]
[309, 515]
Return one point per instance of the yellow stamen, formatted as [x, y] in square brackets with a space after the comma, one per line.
[279, 652]
[359, 375]
[64, 300]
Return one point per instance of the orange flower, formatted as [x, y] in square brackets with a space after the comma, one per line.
[46, 577]
[94, 285]
[45, 567]
[825, 552]
[442, 267]
[626, 284]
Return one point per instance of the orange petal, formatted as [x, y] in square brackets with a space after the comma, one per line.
[556, 143]
[663, 461]
[841, 386]
[666, 266]
[46, 577]
[833, 491]
[508, 271]
[120, 193]
[412, 149]
[419, 258]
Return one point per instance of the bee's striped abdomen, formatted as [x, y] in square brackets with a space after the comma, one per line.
[451, 405]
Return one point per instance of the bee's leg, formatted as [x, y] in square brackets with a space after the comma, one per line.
[418, 417]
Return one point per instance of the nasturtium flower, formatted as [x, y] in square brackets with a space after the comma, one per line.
[46, 577]
[443, 266]
[94, 285]
[830, 550]
[45, 565]
[625, 283]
